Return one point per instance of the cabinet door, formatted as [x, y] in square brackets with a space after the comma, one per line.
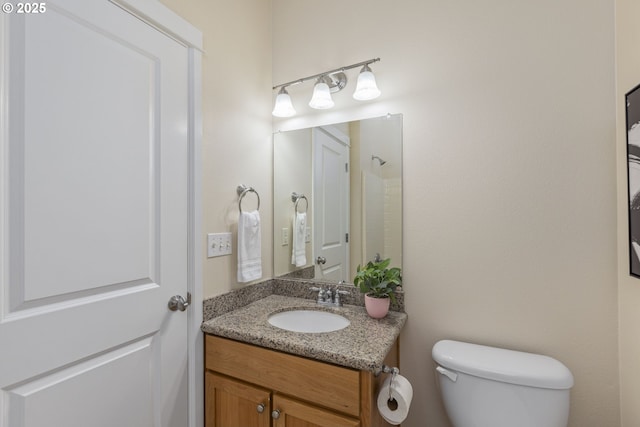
[231, 403]
[292, 413]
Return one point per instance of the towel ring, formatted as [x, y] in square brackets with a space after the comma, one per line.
[242, 190]
[295, 198]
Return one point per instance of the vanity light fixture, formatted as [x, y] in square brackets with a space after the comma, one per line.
[283, 107]
[321, 99]
[327, 83]
[366, 87]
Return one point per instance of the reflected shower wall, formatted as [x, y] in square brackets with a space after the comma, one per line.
[381, 188]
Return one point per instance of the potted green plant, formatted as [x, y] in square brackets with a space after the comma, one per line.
[378, 283]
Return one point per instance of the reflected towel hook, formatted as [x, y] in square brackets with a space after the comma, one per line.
[242, 190]
[295, 198]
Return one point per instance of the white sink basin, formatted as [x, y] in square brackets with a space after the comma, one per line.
[308, 321]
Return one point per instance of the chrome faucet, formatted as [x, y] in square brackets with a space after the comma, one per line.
[329, 298]
[322, 294]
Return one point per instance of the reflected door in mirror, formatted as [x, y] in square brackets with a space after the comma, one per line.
[331, 210]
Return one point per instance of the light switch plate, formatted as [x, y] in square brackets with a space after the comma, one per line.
[285, 236]
[219, 244]
[307, 235]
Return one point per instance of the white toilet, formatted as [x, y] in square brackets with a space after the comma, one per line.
[492, 387]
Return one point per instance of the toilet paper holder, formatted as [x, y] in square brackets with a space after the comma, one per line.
[391, 402]
[387, 370]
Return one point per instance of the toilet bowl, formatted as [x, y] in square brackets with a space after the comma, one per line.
[485, 386]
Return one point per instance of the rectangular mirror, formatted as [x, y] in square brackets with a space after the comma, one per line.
[337, 198]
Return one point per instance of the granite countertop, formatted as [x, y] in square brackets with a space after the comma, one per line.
[361, 345]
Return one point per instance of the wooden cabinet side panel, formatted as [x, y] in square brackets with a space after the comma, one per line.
[316, 382]
[209, 400]
[298, 414]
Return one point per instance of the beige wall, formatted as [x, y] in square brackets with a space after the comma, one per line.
[627, 76]
[509, 166]
[236, 113]
[509, 172]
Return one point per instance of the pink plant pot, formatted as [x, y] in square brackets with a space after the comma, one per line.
[377, 307]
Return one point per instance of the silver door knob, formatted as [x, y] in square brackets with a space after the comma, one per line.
[260, 408]
[178, 303]
[275, 414]
[321, 260]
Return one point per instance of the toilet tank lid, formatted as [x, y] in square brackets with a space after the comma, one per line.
[503, 365]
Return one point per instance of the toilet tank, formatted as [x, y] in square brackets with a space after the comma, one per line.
[494, 387]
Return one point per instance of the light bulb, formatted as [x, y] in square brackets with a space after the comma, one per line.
[366, 87]
[283, 107]
[321, 99]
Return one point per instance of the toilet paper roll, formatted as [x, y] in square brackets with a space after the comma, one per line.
[396, 411]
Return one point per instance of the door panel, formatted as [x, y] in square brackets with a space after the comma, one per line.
[331, 205]
[96, 179]
[233, 403]
[298, 414]
[93, 218]
[38, 402]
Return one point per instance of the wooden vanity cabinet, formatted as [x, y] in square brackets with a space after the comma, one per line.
[234, 403]
[245, 384]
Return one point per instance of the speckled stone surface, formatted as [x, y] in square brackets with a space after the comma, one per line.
[361, 345]
[303, 273]
[301, 288]
[221, 304]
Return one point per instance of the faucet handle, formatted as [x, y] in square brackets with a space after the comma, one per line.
[338, 300]
[321, 293]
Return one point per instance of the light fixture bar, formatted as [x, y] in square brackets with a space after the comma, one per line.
[315, 76]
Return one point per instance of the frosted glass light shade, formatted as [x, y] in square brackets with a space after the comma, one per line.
[321, 99]
[366, 87]
[283, 107]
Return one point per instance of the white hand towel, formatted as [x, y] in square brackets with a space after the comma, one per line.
[249, 254]
[298, 255]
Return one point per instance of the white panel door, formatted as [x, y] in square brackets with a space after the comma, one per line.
[93, 219]
[330, 204]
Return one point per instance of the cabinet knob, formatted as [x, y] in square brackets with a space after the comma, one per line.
[275, 414]
[260, 408]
